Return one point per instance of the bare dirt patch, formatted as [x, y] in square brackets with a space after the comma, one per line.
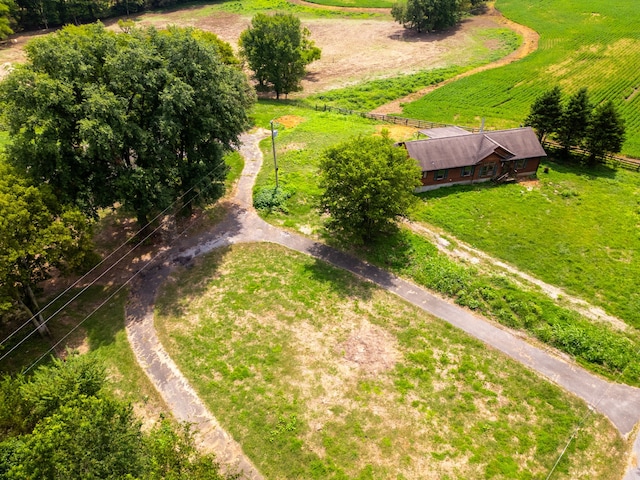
[397, 132]
[353, 50]
[371, 349]
[290, 121]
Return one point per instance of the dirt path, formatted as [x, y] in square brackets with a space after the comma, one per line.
[529, 45]
[486, 262]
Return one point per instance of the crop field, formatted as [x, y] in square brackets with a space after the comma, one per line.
[322, 376]
[593, 44]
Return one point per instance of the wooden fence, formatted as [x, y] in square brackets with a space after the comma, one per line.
[408, 122]
[627, 163]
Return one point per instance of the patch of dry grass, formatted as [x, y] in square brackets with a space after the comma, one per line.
[320, 375]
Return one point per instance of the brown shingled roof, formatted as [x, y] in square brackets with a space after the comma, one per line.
[464, 150]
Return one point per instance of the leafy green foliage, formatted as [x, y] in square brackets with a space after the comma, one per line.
[428, 15]
[270, 198]
[278, 50]
[368, 183]
[6, 7]
[36, 234]
[140, 118]
[546, 113]
[61, 424]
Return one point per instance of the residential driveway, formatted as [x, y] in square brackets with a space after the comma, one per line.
[620, 403]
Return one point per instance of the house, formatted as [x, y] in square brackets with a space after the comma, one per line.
[453, 156]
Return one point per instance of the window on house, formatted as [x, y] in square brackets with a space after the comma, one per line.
[441, 174]
[520, 163]
[425, 174]
[487, 170]
[466, 171]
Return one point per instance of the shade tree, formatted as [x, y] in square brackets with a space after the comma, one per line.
[278, 49]
[141, 118]
[368, 184]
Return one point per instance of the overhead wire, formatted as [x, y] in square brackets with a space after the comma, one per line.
[173, 204]
[135, 274]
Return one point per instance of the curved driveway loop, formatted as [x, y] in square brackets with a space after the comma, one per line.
[620, 403]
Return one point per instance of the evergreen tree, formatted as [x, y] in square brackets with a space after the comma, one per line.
[575, 120]
[546, 113]
[606, 132]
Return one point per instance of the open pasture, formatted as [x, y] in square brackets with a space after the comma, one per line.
[576, 228]
[322, 376]
[593, 44]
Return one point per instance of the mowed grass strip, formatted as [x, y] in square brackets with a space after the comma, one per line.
[320, 375]
[591, 44]
[575, 227]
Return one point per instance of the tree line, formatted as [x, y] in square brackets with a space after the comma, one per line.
[576, 122]
[18, 15]
[63, 422]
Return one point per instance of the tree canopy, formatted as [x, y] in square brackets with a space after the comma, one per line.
[546, 113]
[599, 130]
[430, 15]
[36, 233]
[278, 49]
[63, 423]
[141, 118]
[368, 183]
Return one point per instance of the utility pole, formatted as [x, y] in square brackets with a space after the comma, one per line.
[273, 146]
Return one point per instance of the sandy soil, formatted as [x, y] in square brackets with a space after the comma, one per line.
[352, 49]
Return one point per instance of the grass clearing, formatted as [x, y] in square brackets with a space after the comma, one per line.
[320, 375]
[576, 228]
[356, 3]
[582, 44]
[597, 346]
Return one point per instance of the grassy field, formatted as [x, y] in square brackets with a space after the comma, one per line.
[598, 347]
[320, 375]
[356, 3]
[592, 44]
[577, 228]
[369, 95]
[251, 7]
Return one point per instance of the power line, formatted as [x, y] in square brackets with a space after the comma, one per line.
[152, 259]
[212, 171]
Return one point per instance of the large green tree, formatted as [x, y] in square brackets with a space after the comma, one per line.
[575, 119]
[546, 113]
[141, 118]
[430, 15]
[278, 49]
[36, 234]
[605, 133]
[368, 183]
[62, 423]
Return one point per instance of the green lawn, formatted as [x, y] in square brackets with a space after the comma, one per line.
[102, 336]
[320, 375]
[598, 347]
[356, 3]
[591, 44]
[577, 228]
